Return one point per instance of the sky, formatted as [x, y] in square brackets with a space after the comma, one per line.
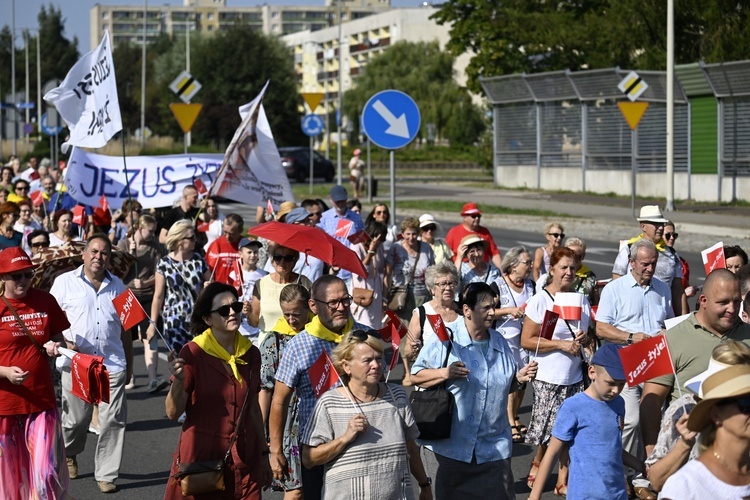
[76, 12]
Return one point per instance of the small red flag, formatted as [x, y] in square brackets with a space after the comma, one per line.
[37, 198]
[202, 226]
[343, 228]
[129, 309]
[359, 237]
[79, 215]
[103, 203]
[201, 187]
[269, 207]
[323, 375]
[713, 258]
[90, 379]
[399, 327]
[646, 360]
[438, 325]
[548, 324]
[569, 305]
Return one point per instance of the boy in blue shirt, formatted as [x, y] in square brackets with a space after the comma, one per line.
[590, 425]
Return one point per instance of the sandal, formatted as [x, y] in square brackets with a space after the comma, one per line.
[561, 490]
[532, 477]
[521, 428]
[516, 434]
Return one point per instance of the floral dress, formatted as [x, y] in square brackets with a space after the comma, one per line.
[183, 281]
[271, 349]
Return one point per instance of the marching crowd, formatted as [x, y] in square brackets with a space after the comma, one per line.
[247, 319]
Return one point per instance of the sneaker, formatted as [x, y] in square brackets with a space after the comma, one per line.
[131, 383]
[72, 467]
[106, 486]
[156, 385]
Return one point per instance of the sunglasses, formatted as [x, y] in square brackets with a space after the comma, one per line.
[669, 236]
[742, 403]
[557, 235]
[362, 335]
[224, 311]
[429, 228]
[190, 238]
[39, 244]
[475, 216]
[17, 276]
[286, 258]
[22, 188]
[335, 304]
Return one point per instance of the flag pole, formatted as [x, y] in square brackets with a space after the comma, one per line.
[130, 198]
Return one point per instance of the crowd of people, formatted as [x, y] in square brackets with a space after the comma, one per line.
[244, 320]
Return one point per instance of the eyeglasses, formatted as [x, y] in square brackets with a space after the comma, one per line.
[190, 238]
[335, 304]
[39, 244]
[431, 227]
[669, 236]
[655, 224]
[224, 310]
[525, 262]
[742, 403]
[475, 216]
[380, 212]
[315, 214]
[557, 235]
[362, 335]
[17, 276]
[22, 188]
[286, 258]
[446, 284]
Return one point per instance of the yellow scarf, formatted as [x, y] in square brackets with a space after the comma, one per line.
[282, 326]
[207, 341]
[317, 329]
[583, 271]
[660, 246]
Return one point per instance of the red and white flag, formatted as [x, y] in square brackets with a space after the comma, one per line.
[343, 228]
[129, 310]
[713, 258]
[359, 237]
[201, 187]
[37, 198]
[438, 326]
[549, 322]
[396, 325]
[202, 226]
[323, 375]
[79, 215]
[646, 360]
[569, 305]
[269, 207]
[103, 203]
[392, 332]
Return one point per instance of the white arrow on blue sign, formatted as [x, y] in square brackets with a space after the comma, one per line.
[391, 119]
[47, 129]
[312, 125]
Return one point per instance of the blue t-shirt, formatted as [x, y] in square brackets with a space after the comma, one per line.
[593, 431]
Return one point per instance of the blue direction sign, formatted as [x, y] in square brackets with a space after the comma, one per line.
[391, 119]
[312, 125]
[49, 130]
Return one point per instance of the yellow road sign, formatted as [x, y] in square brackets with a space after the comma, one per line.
[186, 114]
[312, 99]
[633, 112]
[633, 86]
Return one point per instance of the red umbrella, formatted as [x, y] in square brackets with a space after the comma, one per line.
[311, 241]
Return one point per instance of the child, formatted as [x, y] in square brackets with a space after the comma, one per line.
[590, 425]
[249, 255]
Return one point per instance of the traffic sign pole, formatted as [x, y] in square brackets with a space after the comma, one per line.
[369, 174]
[393, 186]
[311, 164]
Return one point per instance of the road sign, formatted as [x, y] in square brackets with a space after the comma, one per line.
[633, 86]
[185, 86]
[47, 128]
[633, 112]
[312, 99]
[381, 123]
[186, 114]
[25, 105]
[312, 125]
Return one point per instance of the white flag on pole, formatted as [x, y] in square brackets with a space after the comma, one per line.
[87, 99]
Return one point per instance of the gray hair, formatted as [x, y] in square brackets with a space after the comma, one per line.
[444, 268]
[574, 241]
[642, 243]
[512, 258]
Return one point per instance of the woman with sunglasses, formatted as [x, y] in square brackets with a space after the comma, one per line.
[215, 383]
[428, 230]
[180, 276]
[474, 268]
[670, 238]
[480, 371]
[381, 213]
[364, 432]
[266, 312]
[9, 214]
[722, 470]
[33, 462]
[555, 235]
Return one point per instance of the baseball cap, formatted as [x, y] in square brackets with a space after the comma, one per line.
[299, 214]
[248, 242]
[470, 209]
[339, 193]
[608, 357]
[15, 259]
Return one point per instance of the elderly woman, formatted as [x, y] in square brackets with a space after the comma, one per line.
[9, 214]
[372, 255]
[215, 383]
[33, 453]
[407, 262]
[560, 374]
[585, 281]
[722, 470]
[514, 288]
[266, 312]
[179, 279]
[428, 229]
[475, 459]
[475, 269]
[364, 433]
[555, 235]
[381, 213]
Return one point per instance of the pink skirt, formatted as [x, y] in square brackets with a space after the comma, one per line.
[32, 457]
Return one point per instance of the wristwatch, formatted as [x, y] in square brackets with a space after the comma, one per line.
[426, 483]
[630, 338]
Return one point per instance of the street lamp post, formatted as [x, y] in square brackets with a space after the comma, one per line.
[341, 89]
[13, 72]
[143, 77]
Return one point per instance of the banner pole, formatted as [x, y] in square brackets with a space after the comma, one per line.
[130, 198]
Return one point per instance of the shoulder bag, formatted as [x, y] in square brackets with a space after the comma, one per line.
[433, 408]
[398, 293]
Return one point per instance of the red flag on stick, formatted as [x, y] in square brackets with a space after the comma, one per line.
[713, 258]
[269, 207]
[359, 237]
[37, 198]
[129, 309]
[646, 360]
[201, 187]
[548, 324]
[569, 305]
[343, 228]
[398, 326]
[323, 375]
[79, 215]
[202, 226]
[103, 203]
[438, 326]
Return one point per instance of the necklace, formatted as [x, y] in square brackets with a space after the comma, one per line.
[362, 401]
[726, 465]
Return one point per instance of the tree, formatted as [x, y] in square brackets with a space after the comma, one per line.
[424, 72]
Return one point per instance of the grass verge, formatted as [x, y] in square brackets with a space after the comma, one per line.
[455, 207]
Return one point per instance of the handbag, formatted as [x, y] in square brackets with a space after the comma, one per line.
[433, 408]
[398, 293]
[362, 296]
[197, 478]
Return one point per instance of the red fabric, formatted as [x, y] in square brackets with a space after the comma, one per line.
[323, 375]
[90, 378]
[214, 403]
[685, 273]
[343, 228]
[221, 257]
[37, 197]
[457, 233]
[44, 319]
[103, 203]
[392, 332]
[201, 187]
[359, 237]
[79, 215]
[548, 324]
[129, 310]
[646, 360]
[713, 258]
[438, 326]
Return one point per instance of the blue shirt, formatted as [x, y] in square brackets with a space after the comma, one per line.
[628, 306]
[593, 431]
[480, 423]
[329, 221]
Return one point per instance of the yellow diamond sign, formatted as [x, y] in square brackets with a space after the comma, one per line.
[186, 114]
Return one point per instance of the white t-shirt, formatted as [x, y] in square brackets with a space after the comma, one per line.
[695, 482]
[248, 284]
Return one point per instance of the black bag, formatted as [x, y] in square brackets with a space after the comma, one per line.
[433, 408]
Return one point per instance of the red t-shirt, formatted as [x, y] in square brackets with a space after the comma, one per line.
[223, 258]
[459, 232]
[44, 319]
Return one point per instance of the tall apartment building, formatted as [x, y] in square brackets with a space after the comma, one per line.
[125, 22]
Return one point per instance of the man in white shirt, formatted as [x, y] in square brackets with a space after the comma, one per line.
[85, 294]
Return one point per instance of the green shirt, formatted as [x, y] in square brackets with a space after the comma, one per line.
[690, 345]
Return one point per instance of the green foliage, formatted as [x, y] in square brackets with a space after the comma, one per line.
[424, 72]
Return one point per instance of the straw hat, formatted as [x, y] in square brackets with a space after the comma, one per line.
[284, 209]
[470, 239]
[728, 383]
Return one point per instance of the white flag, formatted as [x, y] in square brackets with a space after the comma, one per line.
[87, 99]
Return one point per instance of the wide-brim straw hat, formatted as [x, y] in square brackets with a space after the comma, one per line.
[732, 382]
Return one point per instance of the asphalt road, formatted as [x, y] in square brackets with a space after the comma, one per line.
[151, 438]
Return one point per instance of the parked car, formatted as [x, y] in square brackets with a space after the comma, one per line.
[296, 162]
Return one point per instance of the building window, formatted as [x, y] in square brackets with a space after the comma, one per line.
[105, 14]
[210, 16]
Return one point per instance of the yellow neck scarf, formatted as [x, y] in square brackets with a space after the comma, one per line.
[660, 246]
[207, 341]
[282, 326]
[317, 329]
[583, 271]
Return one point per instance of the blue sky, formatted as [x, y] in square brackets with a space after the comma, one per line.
[76, 12]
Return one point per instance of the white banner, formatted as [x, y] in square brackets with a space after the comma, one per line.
[87, 99]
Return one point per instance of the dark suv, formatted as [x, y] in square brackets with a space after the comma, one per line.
[296, 162]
